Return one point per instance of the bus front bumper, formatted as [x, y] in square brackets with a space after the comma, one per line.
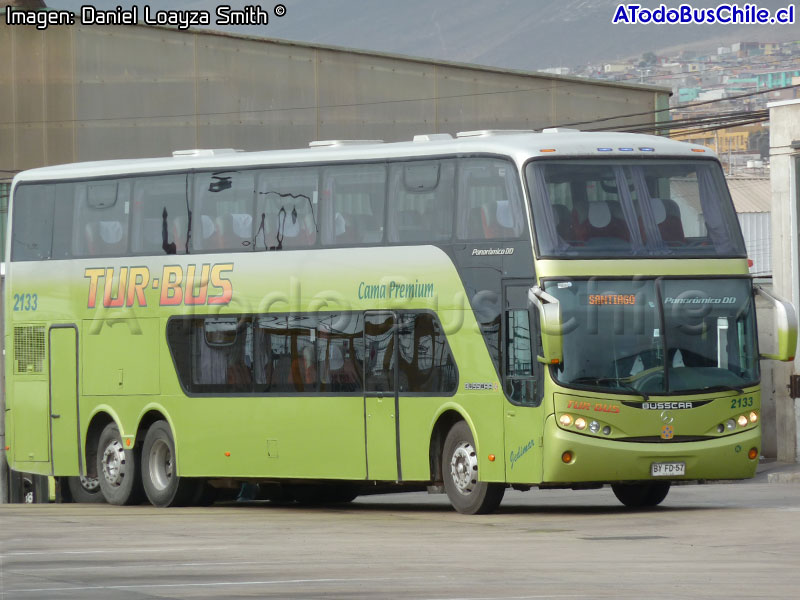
[596, 459]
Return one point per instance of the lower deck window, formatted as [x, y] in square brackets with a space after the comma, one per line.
[307, 354]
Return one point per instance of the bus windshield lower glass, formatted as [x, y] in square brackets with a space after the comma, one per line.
[657, 336]
[632, 208]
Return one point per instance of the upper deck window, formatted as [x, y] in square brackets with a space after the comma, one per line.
[489, 200]
[422, 197]
[633, 208]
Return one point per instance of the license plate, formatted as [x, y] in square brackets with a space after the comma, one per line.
[668, 469]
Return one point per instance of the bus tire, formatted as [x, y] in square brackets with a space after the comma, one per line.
[641, 495]
[467, 494]
[117, 470]
[160, 478]
[85, 490]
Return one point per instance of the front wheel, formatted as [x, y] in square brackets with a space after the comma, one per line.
[466, 492]
[641, 495]
[117, 469]
[159, 469]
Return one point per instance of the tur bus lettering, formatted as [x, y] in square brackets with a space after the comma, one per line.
[124, 287]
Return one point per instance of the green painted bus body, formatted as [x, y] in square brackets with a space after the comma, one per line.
[125, 371]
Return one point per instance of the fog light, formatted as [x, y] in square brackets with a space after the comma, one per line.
[606, 430]
[580, 423]
[742, 421]
[567, 457]
[753, 454]
[753, 417]
[731, 424]
[565, 420]
[594, 426]
[720, 428]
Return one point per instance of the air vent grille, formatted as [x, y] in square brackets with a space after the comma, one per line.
[29, 349]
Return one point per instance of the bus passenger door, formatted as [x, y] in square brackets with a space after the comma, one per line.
[380, 395]
[64, 442]
[522, 380]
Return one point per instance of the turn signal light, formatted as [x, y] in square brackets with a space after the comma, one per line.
[753, 454]
[567, 457]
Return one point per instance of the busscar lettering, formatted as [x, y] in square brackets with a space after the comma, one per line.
[125, 287]
[666, 405]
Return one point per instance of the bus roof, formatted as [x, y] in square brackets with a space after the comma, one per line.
[518, 145]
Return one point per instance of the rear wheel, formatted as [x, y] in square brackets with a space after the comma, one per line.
[159, 469]
[85, 489]
[641, 495]
[117, 470]
[466, 492]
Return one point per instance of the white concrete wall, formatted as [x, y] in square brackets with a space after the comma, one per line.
[784, 130]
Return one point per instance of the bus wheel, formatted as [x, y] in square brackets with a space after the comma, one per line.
[159, 469]
[466, 492]
[116, 469]
[85, 489]
[641, 495]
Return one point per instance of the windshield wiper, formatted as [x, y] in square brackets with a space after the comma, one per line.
[723, 387]
[618, 380]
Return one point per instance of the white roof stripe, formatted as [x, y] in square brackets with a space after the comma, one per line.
[519, 147]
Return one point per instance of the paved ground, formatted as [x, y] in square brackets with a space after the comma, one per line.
[723, 540]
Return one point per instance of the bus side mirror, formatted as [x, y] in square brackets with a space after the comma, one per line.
[785, 325]
[550, 325]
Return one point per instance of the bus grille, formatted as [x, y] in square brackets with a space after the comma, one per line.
[29, 349]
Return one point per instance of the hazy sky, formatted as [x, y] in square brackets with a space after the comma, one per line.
[524, 34]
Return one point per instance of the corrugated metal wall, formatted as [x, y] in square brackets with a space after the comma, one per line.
[757, 230]
[94, 92]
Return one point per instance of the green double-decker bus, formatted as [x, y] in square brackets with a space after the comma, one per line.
[499, 309]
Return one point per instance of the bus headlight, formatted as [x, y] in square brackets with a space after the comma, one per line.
[731, 424]
[594, 426]
[754, 417]
[742, 420]
[565, 420]
[580, 423]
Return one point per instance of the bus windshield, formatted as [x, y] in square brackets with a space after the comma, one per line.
[657, 336]
[632, 208]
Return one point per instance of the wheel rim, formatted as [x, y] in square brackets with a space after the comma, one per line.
[160, 465]
[90, 484]
[464, 468]
[115, 466]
